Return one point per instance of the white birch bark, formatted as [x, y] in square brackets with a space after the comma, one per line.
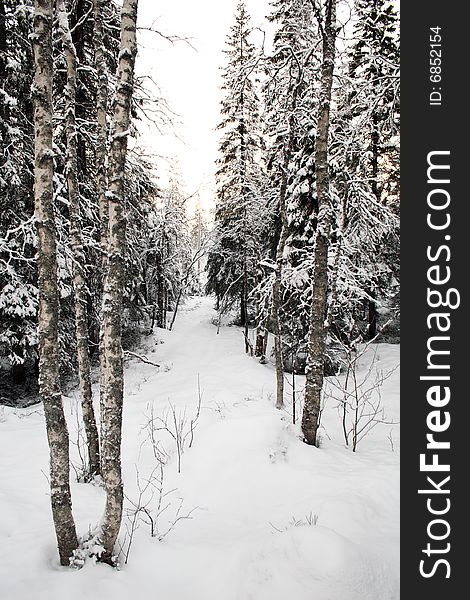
[318, 329]
[101, 126]
[79, 283]
[49, 382]
[112, 376]
[101, 148]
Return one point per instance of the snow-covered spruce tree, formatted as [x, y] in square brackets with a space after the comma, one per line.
[290, 95]
[143, 228]
[48, 289]
[97, 44]
[314, 373]
[112, 386]
[18, 278]
[373, 98]
[177, 272]
[232, 261]
[159, 248]
[362, 234]
[364, 239]
[198, 235]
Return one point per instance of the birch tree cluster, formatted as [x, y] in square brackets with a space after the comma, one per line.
[85, 59]
[305, 245]
[91, 249]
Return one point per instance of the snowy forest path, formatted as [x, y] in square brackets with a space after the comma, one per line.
[272, 517]
[250, 478]
[194, 350]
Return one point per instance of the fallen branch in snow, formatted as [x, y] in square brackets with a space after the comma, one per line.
[144, 359]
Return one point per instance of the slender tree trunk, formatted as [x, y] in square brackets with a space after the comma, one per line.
[372, 317]
[101, 127]
[259, 345]
[165, 306]
[4, 107]
[79, 283]
[160, 292]
[175, 310]
[276, 294]
[49, 359]
[245, 200]
[318, 330]
[265, 342]
[3, 49]
[78, 11]
[244, 305]
[112, 377]
[101, 153]
[260, 325]
[260, 335]
[375, 139]
[277, 286]
[243, 302]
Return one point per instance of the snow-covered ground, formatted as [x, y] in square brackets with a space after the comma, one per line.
[271, 517]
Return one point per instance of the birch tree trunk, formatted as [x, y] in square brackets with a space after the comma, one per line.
[3, 49]
[318, 330]
[79, 283]
[101, 150]
[112, 376]
[49, 382]
[101, 127]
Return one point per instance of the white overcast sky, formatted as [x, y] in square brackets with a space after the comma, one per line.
[190, 81]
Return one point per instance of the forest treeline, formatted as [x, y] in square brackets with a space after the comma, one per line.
[91, 249]
[161, 239]
[306, 238]
[305, 244]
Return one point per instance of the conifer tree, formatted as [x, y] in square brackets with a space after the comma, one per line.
[374, 105]
[18, 277]
[232, 260]
[290, 95]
